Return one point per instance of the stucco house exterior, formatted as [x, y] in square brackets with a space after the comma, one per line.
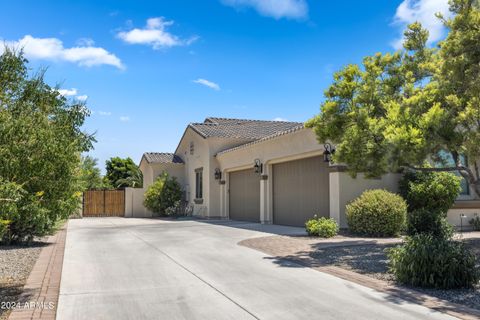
[261, 171]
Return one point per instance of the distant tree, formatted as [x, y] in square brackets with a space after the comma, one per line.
[90, 176]
[399, 110]
[123, 173]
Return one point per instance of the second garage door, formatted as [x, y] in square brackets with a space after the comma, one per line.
[300, 190]
[244, 195]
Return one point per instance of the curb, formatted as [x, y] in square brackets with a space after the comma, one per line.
[39, 298]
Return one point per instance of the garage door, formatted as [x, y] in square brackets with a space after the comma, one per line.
[244, 195]
[300, 190]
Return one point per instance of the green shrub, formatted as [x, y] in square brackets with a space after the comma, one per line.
[435, 191]
[377, 213]
[475, 223]
[429, 195]
[5, 231]
[164, 193]
[429, 221]
[432, 262]
[321, 227]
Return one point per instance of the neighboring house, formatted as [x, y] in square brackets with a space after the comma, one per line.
[253, 170]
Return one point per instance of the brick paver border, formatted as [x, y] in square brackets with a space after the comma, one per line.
[298, 251]
[39, 298]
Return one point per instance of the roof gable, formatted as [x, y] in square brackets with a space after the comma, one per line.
[161, 157]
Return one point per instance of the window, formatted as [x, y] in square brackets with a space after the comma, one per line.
[445, 159]
[199, 183]
[192, 148]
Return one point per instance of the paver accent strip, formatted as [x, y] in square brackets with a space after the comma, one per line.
[298, 251]
[39, 298]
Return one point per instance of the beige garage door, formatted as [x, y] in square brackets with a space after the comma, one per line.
[244, 195]
[300, 190]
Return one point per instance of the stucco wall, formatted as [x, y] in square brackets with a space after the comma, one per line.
[151, 171]
[296, 145]
[344, 189]
[453, 216]
[199, 159]
[203, 157]
[134, 203]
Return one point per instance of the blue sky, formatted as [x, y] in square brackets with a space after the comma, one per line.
[148, 68]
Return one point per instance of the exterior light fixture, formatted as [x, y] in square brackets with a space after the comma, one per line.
[258, 166]
[217, 174]
[328, 153]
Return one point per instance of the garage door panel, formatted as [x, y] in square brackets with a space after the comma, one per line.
[300, 190]
[244, 196]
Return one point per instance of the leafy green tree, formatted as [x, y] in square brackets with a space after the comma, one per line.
[90, 176]
[398, 110]
[41, 140]
[123, 173]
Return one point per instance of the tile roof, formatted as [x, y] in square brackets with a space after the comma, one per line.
[161, 157]
[272, 136]
[241, 128]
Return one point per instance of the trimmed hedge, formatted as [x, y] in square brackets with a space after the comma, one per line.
[321, 227]
[377, 213]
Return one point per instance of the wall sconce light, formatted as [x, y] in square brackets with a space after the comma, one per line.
[258, 166]
[328, 153]
[217, 174]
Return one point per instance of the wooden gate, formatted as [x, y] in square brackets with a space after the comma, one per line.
[104, 203]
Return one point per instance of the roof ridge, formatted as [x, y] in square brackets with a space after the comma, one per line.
[250, 120]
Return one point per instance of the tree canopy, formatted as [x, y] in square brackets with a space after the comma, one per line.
[90, 175]
[398, 110]
[41, 140]
[123, 173]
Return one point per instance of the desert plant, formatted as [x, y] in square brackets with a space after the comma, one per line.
[164, 193]
[321, 227]
[475, 223]
[432, 262]
[377, 213]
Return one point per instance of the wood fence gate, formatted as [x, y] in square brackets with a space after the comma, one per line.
[104, 203]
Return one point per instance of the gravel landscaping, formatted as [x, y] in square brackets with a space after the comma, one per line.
[16, 262]
[371, 260]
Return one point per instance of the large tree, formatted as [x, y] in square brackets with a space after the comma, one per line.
[400, 110]
[90, 175]
[41, 140]
[123, 173]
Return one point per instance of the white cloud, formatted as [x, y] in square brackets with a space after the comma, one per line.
[155, 35]
[67, 92]
[293, 9]
[52, 49]
[83, 97]
[279, 119]
[210, 84]
[104, 113]
[124, 118]
[423, 11]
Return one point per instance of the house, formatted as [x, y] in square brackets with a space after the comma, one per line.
[259, 171]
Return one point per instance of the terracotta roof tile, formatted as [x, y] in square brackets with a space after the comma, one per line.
[161, 157]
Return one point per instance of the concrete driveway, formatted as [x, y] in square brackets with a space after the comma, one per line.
[117, 268]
